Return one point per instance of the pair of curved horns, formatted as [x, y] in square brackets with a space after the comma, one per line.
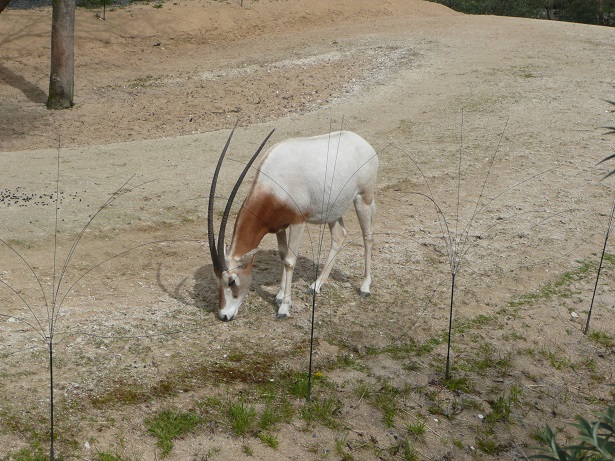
[217, 253]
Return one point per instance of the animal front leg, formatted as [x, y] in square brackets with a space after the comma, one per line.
[338, 236]
[283, 251]
[295, 234]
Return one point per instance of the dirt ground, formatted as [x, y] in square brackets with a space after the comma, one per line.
[495, 122]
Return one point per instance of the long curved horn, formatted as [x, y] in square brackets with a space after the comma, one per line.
[219, 264]
[229, 204]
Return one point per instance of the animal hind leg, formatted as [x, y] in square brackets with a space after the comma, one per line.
[338, 236]
[366, 212]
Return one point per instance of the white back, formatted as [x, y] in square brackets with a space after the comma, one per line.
[320, 175]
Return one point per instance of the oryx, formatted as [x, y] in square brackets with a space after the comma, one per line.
[298, 181]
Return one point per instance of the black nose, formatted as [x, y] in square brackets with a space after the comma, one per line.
[225, 318]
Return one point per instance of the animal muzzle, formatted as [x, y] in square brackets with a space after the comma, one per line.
[230, 309]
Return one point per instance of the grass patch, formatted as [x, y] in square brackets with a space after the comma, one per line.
[602, 338]
[297, 384]
[242, 417]
[321, 410]
[249, 369]
[478, 322]
[274, 412]
[35, 453]
[557, 359]
[486, 360]
[561, 285]
[410, 349]
[269, 439]
[460, 384]
[417, 429]
[385, 400]
[168, 425]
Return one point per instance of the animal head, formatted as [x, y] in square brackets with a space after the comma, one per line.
[233, 286]
[234, 275]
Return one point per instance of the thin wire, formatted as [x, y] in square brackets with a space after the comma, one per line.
[606, 239]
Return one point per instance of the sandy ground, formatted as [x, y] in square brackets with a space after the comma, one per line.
[496, 120]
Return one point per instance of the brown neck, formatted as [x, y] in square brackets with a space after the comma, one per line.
[261, 213]
[247, 235]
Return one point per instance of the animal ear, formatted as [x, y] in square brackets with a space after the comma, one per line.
[248, 258]
[250, 254]
[250, 263]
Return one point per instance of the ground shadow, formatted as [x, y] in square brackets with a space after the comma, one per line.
[265, 281]
[30, 90]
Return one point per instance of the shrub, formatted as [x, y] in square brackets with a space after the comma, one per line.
[596, 441]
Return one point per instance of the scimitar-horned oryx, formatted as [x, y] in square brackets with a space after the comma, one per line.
[313, 180]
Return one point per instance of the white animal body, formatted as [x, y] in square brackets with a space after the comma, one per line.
[298, 181]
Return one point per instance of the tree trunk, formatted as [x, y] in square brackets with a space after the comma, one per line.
[550, 7]
[4, 4]
[62, 80]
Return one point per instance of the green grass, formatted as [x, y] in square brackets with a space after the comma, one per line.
[271, 395]
[385, 400]
[253, 369]
[321, 410]
[604, 339]
[242, 417]
[409, 349]
[417, 429]
[557, 359]
[559, 287]
[459, 384]
[297, 384]
[35, 453]
[167, 425]
[486, 360]
[106, 456]
[581, 11]
[269, 439]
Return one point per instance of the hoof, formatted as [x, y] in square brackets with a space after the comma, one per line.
[309, 291]
[364, 294]
[281, 316]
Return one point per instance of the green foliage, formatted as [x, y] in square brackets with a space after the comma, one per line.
[269, 439]
[595, 442]
[601, 12]
[27, 454]
[168, 425]
[321, 410]
[298, 384]
[587, 11]
[417, 429]
[523, 8]
[459, 384]
[106, 456]
[410, 349]
[385, 400]
[602, 338]
[242, 417]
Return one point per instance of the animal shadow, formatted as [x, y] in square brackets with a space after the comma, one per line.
[265, 280]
